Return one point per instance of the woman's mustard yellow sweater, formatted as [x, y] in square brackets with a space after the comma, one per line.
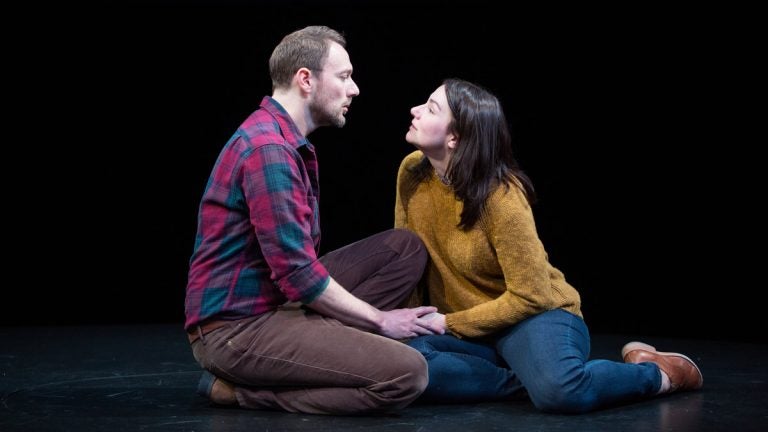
[492, 276]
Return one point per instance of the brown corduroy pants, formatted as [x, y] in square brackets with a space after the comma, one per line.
[297, 360]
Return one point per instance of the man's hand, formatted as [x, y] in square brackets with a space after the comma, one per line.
[408, 323]
[336, 302]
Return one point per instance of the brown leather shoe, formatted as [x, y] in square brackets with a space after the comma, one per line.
[682, 372]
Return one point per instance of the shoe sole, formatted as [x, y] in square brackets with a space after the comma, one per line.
[633, 346]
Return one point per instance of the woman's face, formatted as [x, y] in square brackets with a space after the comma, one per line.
[430, 125]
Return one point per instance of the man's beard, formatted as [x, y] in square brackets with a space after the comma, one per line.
[322, 116]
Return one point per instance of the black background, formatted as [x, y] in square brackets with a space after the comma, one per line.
[631, 122]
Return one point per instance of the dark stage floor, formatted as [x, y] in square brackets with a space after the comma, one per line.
[143, 378]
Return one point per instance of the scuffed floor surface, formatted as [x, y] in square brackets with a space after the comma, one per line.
[143, 378]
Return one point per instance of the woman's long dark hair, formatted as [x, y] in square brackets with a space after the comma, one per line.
[483, 157]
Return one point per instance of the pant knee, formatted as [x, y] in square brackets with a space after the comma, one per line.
[409, 244]
[410, 382]
[560, 400]
[416, 372]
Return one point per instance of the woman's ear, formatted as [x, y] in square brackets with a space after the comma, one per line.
[451, 141]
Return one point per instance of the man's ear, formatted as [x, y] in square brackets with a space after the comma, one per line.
[303, 78]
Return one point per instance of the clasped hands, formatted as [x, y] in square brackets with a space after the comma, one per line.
[411, 322]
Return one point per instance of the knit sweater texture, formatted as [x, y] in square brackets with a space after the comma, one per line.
[491, 276]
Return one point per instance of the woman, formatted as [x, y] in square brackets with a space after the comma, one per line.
[512, 321]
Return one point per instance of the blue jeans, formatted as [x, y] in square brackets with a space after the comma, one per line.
[545, 355]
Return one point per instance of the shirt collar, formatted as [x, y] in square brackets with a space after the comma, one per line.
[286, 123]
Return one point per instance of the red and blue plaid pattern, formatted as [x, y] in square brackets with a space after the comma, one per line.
[258, 229]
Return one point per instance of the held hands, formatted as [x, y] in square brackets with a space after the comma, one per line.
[408, 323]
[437, 319]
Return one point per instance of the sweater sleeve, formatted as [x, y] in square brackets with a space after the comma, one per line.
[523, 261]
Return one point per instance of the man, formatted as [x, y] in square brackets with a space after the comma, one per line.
[274, 326]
